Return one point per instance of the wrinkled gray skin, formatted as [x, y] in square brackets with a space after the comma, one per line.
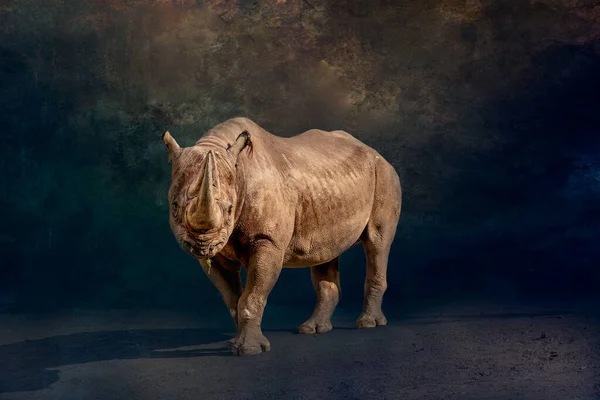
[242, 196]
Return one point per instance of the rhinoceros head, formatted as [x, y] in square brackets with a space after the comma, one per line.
[203, 195]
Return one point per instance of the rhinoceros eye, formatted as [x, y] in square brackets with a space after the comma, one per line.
[175, 208]
[227, 206]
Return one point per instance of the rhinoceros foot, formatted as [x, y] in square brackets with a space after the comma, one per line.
[371, 320]
[315, 326]
[249, 344]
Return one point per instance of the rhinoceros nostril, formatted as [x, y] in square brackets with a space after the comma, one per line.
[187, 246]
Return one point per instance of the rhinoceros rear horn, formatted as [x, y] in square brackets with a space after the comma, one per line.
[171, 144]
[241, 142]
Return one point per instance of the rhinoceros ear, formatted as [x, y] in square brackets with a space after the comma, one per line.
[241, 142]
[171, 144]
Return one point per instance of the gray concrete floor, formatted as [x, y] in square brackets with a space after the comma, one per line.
[477, 352]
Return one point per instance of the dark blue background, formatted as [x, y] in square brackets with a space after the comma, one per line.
[489, 112]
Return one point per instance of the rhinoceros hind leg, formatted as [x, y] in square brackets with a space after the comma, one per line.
[370, 321]
[326, 281]
[375, 286]
[377, 240]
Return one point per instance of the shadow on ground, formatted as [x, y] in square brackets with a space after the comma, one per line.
[28, 365]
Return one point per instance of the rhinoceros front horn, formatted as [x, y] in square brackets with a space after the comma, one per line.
[204, 212]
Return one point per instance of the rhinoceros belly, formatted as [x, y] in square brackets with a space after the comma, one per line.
[331, 214]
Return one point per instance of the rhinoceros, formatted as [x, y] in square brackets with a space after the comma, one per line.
[243, 196]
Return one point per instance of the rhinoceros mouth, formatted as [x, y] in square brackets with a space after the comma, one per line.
[211, 251]
[202, 251]
[205, 245]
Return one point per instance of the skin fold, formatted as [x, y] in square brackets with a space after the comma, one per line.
[242, 196]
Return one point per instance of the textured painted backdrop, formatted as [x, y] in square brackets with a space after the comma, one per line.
[488, 110]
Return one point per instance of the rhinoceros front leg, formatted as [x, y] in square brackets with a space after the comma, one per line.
[264, 267]
[326, 281]
[226, 278]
